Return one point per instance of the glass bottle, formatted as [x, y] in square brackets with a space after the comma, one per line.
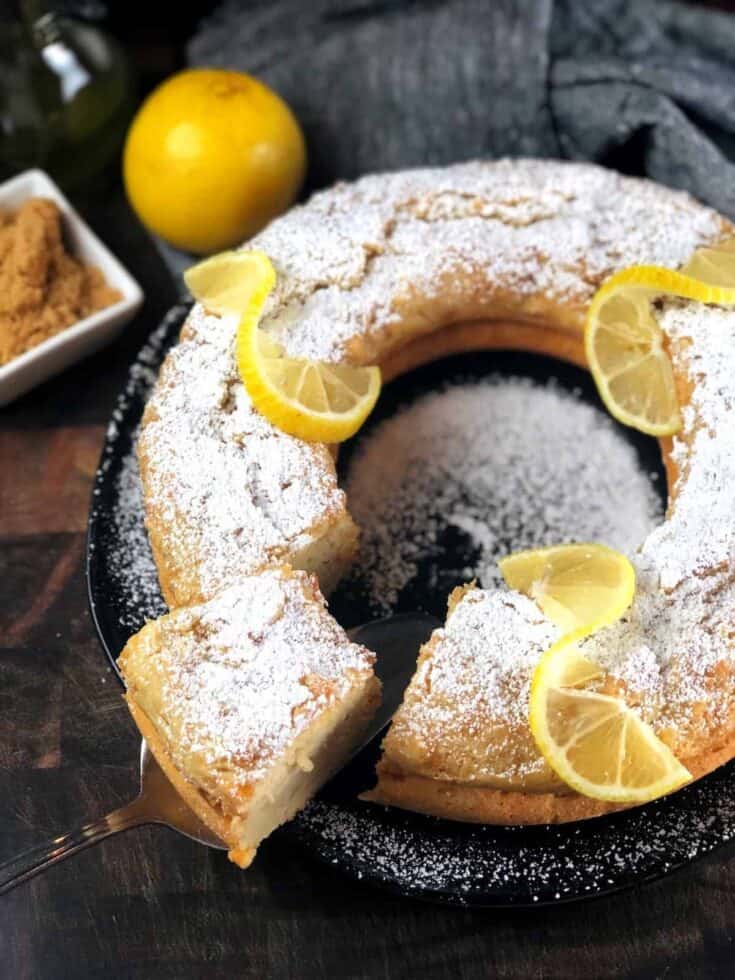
[66, 94]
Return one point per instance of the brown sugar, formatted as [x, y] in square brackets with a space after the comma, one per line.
[43, 288]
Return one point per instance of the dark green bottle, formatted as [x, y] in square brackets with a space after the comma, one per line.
[66, 95]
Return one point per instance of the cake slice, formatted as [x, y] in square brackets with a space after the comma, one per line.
[250, 701]
[459, 746]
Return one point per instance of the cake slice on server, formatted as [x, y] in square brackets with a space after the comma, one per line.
[250, 702]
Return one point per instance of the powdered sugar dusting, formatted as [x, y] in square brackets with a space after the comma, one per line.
[510, 463]
[681, 624]
[348, 259]
[699, 535]
[466, 709]
[130, 559]
[231, 491]
[345, 262]
[469, 865]
[242, 675]
[391, 253]
[673, 651]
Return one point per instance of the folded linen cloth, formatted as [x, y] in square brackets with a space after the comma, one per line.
[645, 86]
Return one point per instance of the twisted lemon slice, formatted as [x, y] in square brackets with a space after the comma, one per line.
[714, 265]
[594, 742]
[232, 282]
[312, 400]
[625, 347]
[578, 586]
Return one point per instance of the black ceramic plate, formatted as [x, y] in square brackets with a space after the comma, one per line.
[408, 853]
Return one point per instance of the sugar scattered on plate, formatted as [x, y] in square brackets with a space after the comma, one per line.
[466, 474]
[130, 557]
[470, 864]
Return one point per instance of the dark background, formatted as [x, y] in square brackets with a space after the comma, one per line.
[151, 904]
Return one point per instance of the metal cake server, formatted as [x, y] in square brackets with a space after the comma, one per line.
[395, 641]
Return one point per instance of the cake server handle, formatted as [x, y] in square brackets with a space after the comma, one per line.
[395, 640]
[32, 862]
[158, 802]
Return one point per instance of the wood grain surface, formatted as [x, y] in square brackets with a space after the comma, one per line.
[151, 904]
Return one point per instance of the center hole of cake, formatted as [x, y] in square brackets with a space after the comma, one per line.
[445, 485]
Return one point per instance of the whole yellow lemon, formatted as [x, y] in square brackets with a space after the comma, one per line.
[211, 157]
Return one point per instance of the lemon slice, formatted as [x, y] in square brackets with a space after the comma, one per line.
[714, 265]
[594, 742]
[312, 400]
[232, 282]
[578, 586]
[626, 350]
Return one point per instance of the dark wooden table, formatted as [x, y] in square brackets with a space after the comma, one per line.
[151, 904]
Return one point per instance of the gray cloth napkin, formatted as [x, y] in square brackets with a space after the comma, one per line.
[646, 87]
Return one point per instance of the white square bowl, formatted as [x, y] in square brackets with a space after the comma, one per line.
[93, 332]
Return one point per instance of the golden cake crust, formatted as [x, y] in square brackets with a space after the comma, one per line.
[364, 271]
[400, 269]
[480, 804]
